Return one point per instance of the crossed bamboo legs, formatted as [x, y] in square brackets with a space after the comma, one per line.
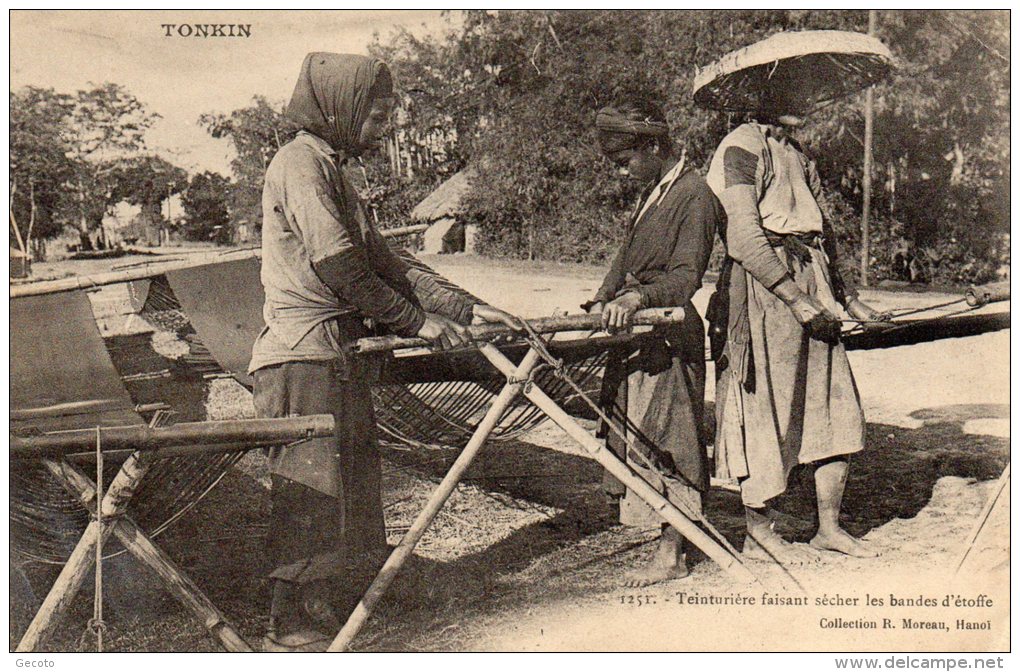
[135, 541]
[139, 545]
[519, 382]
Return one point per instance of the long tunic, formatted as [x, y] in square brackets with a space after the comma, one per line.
[784, 398]
[311, 212]
[327, 506]
[656, 383]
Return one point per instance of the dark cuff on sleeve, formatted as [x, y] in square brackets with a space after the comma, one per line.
[467, 313]
[350, 278]
[780, 277]
[412, 327]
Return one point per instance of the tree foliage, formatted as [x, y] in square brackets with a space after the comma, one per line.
[75, 156]
[145, 181]
[106, 126]
[256, 132]
[39, 164]
[206, 212]
[519, 90]
[513, 94]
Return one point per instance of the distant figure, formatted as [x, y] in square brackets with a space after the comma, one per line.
[326, 271]
[657, 381]
[785, 393]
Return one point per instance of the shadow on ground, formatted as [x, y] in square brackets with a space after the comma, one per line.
[575, 548]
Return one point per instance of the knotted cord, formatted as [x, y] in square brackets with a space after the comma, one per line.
[96, 624]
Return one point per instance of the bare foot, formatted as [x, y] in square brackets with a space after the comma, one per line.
[769, 546]
[842, 542]
[655, 572]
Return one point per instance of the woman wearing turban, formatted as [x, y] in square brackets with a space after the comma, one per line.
[655, 385]
[327, 274]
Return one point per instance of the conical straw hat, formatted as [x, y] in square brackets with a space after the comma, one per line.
[793, 73]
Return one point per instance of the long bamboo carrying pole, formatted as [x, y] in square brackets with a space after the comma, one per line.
[541, 325]
[157, 267]
[227, 433]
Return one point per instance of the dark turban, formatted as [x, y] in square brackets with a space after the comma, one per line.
[624, 130]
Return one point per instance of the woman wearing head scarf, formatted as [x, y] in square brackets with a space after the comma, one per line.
[655, 385]
[785, 395]
[327, 274]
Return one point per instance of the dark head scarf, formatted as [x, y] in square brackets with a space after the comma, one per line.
[334, 94]
[618, 130]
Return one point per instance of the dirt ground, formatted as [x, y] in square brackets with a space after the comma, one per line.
[527, 555]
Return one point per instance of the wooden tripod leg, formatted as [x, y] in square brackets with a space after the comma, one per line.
[64, 589]
[979, 524]
[183, 588]
[71, 577]
[137, 543]
[399, 556]
[622, 471]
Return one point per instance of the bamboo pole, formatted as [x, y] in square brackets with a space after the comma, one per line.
[869, 133]
[979, 524]
[114, 277]
[228, 433]
[981, 295]
[71, 577]
[625, 474]
[64, 589]
[138, 544]
[542, 325]
[180, 586]
[516, 376]
[156, 267]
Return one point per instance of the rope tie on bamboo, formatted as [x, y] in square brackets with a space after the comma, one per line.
[96, 624]
[549, 362]
[891, 325]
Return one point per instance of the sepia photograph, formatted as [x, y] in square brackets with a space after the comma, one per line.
[531, 330]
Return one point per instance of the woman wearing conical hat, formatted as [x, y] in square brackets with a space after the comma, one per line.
[785, 393]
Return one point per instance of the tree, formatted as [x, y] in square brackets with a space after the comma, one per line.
[206, 215]
[145, 181]
[520, 88]
[257, 132]
[39, 166]
[106, 124]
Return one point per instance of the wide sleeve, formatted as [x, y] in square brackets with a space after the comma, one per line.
[841, 291]
[697, 213]
[322, 218]
[737, 177]
[430, 294]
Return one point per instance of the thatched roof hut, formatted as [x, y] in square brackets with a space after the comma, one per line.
[447, 200]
